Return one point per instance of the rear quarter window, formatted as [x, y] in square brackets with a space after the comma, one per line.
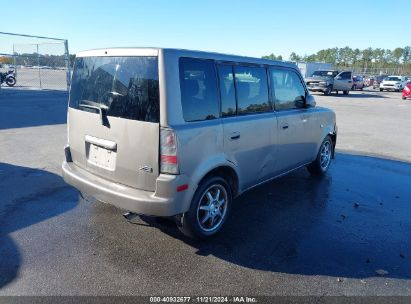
[198, 84]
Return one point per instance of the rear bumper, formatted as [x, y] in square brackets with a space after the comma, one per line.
[165, 201]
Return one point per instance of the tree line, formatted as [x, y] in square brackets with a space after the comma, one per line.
[376, 58]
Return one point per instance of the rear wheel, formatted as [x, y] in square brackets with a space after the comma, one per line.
[404, 98]
[209, 208]
[321, 164]
[10, 81]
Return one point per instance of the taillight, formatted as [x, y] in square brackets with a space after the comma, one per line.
[168, 152]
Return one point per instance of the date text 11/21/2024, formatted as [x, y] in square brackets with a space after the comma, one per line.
[204, 299]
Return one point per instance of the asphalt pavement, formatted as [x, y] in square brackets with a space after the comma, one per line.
[344, 234]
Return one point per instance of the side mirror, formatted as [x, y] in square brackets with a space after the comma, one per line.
[310, 101]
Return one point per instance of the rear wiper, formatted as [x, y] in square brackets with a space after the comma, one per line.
[102, 109]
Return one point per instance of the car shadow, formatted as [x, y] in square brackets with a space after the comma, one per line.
[361, 94]
[357, 94]
[353, 222]
[35, 108]
[29, 196]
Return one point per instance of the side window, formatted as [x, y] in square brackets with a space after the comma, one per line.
[289, 92]
[346, 75]
[252, 90]
[198, 84]
[227, 90]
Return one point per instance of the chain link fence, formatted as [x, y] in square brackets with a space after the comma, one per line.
[37, 62]
[376, 71]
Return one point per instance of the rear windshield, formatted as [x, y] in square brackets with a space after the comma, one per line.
[125, 87]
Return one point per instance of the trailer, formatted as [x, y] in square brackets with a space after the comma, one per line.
[308, 68]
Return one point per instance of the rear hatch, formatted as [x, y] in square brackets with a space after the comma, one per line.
[113, 119]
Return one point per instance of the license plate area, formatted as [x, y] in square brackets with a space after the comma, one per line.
[101, 157]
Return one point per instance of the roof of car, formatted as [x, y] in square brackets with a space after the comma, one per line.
[153, 51]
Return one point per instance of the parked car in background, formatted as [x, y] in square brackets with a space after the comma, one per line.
[328, 81]
[378, 80]
[408, 79]
[369, 81]
[406, 92]
[393, 83]
[178, 133]
[358, 83]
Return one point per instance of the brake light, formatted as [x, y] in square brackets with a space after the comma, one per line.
[168, 152]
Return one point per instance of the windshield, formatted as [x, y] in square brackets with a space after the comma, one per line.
[325, 73]
[392, 79]
[125, 87]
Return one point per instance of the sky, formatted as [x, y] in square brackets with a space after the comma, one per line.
[249, 28]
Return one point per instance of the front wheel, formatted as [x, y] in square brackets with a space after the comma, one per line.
[328, 90]
[209, 208]
[10, 81]
[321, 164]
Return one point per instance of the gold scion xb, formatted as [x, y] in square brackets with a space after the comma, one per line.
[178, 133]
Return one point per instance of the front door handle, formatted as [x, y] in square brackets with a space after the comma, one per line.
[235, 135]
[284, 126]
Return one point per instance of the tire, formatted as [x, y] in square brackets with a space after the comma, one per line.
[403, 98]
[381, 90]
[10, 81]
[328, 91]
[321, 164]
[346, 92]
[209, 209]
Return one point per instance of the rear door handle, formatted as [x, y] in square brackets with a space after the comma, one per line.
[284, 126]
[304, 118]
[235, 135]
